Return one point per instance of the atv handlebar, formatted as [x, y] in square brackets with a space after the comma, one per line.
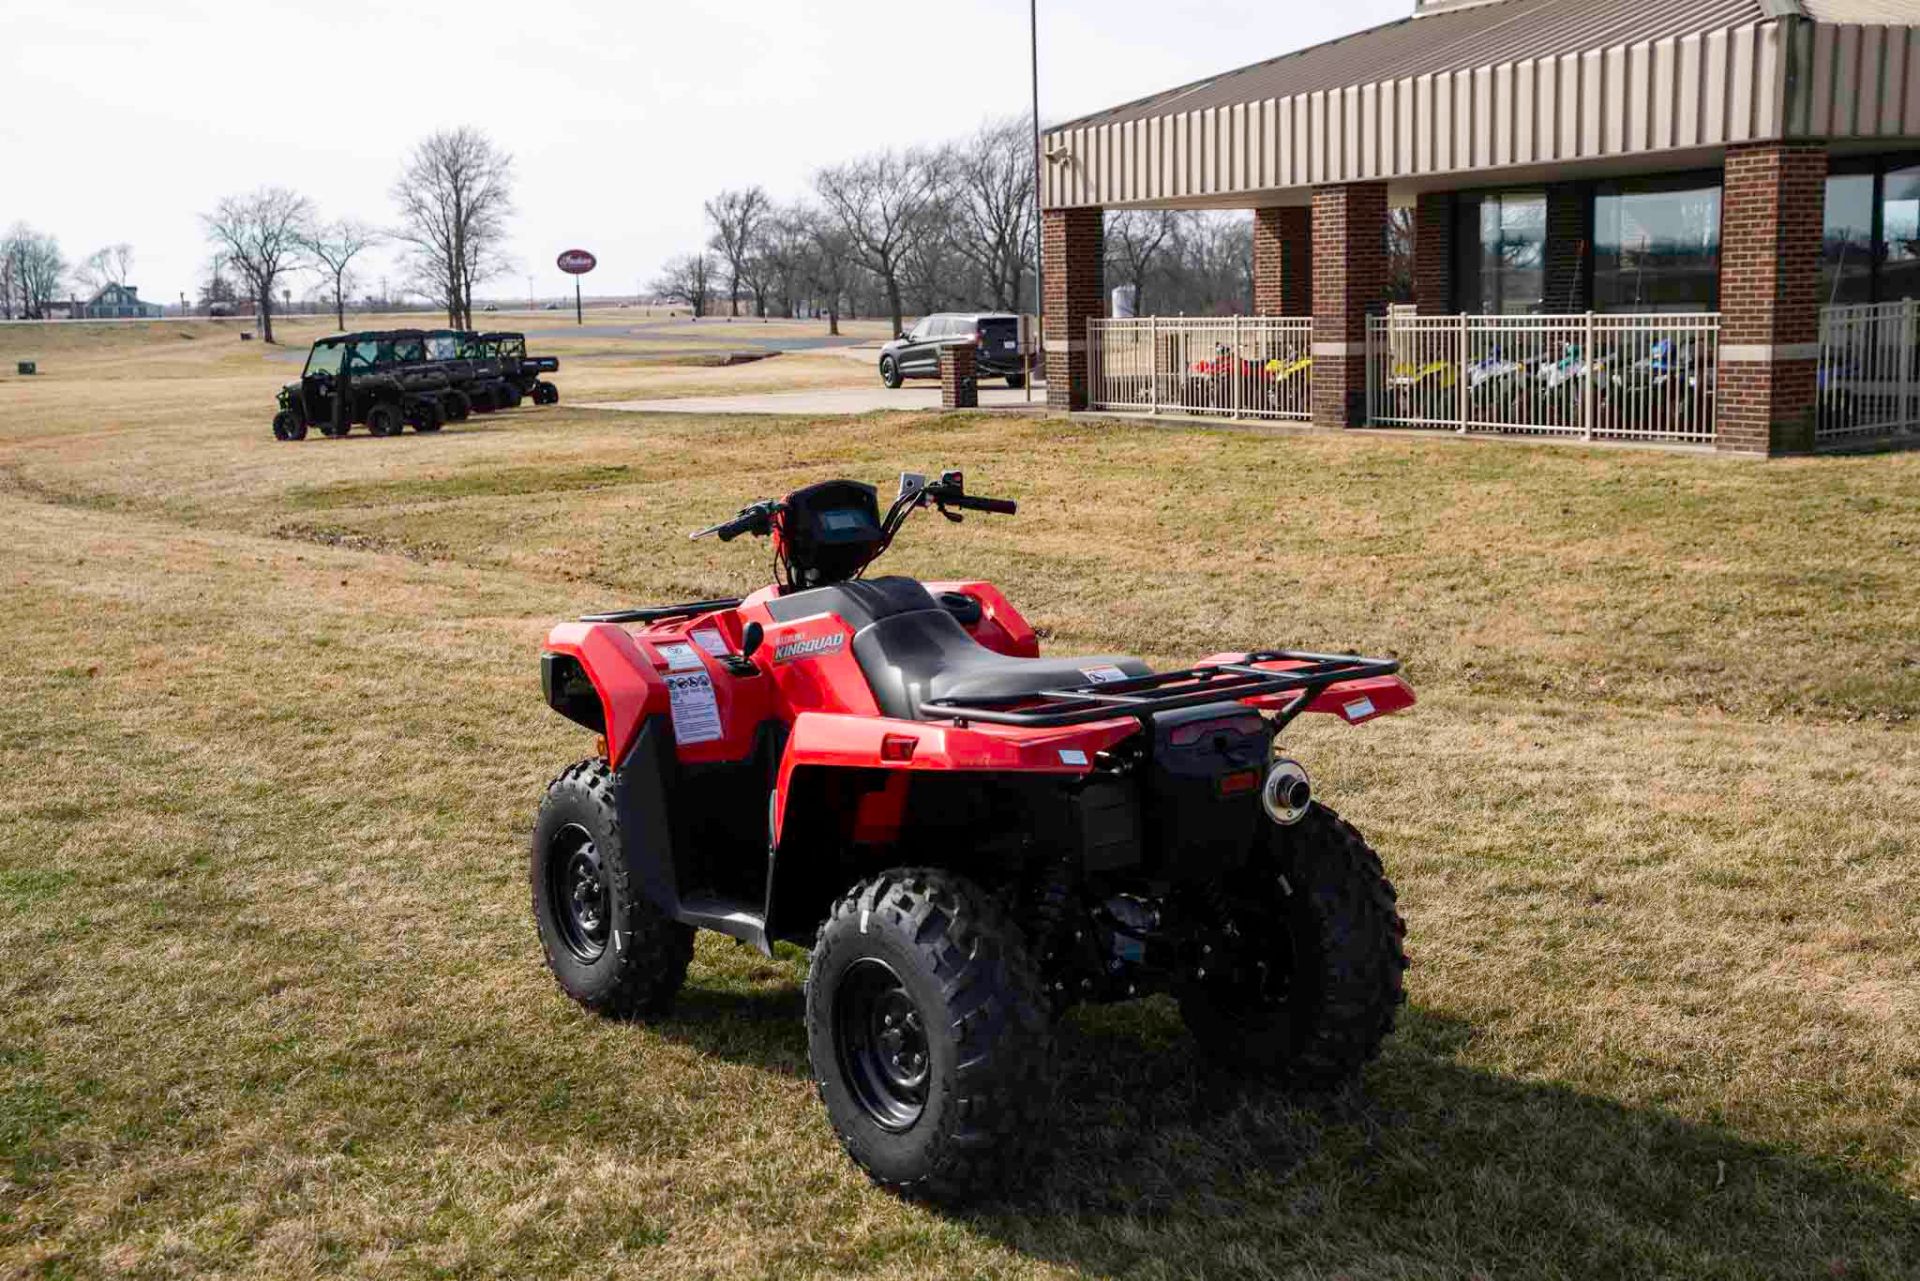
[995, 506]
[757, 519]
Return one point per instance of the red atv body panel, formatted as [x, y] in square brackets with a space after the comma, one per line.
[800, 712]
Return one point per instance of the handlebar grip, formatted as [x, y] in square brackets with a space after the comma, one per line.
[998, 506]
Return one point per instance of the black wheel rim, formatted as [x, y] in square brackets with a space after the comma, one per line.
[577, 888]
[880, 1039]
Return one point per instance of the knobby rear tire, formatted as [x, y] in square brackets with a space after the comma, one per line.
[979, 998]
[1322, 898]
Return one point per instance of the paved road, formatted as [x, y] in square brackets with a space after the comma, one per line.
[838, 400]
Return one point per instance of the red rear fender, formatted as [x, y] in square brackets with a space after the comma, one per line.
[621, 674]
[1355, 701]
[825, 739]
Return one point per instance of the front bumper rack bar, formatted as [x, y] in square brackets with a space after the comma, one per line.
[1143, 696]
[656, 613]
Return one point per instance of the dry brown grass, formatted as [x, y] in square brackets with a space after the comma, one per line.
[271, 739]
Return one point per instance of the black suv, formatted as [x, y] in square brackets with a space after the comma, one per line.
[916, 353]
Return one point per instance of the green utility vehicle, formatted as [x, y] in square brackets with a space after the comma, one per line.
[381, 379]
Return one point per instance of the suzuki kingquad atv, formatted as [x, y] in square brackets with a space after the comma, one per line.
[971, 838]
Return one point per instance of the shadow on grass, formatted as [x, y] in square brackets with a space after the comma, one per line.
[1162, 1167]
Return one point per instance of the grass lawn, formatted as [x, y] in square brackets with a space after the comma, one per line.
[271, 740]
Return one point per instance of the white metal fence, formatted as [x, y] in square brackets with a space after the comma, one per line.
[1592, 377]
[1233, 367]
[1869, 383]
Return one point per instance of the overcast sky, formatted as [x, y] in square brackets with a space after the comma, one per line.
[123, 121]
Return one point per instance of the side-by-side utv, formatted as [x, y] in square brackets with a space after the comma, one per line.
[379, 379]
[473, 368]
[522, 370]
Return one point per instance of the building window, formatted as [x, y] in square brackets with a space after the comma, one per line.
[1657, 245]
[1501, 242]
[1846, 253]
[1899, 236]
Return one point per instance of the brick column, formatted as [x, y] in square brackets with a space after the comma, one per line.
[1072, 246]
[1433, 253]
[1349, 285]
[1283, 261]
[1771, 216]
[959, 387]
[1569, 247]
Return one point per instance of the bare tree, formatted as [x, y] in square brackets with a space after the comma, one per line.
[112, 265]
[879, 202]
[830, 264]
[36, 269]
[736, 217]
[933, 271]
[260, 237]
[333, 249]
[992, 206]
[1135, 240]
[780, 268]
[688, 279]
[455, 196]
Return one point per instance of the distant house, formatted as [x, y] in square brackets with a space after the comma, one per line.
[116, 302]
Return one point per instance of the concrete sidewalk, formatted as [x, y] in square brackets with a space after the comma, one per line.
[917, 397]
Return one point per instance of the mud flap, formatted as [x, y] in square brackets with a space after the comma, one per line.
[642, 784]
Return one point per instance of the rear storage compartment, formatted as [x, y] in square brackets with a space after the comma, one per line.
[1203, 785]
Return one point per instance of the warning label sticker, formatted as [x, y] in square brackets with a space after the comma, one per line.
[1103, 675]
[696, 713]
[711, 641]
[680, 657]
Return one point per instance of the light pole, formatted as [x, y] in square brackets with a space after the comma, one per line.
[1039, 289]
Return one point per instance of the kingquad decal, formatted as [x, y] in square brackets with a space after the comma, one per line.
[812, 647]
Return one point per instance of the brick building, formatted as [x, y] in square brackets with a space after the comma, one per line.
[1696, 221]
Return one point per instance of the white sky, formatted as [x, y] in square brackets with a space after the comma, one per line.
[122, 121]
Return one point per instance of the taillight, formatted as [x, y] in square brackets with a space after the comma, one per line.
[1188, 735]
[898, 747]
[1238, 783]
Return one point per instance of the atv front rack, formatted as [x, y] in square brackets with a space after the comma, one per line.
[1143, 696]
[658, 613]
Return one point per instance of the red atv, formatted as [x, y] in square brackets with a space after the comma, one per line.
[970, 837]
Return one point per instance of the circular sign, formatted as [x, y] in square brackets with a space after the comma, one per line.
[576, 262]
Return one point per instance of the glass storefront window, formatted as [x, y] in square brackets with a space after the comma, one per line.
[1502, 252]
[1656, 246]
[1846, 255]
[1900, 235]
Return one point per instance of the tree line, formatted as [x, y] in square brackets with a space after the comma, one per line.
[34, 271]
[454, 195]
[941, 228]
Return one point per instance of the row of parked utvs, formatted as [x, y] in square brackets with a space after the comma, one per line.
[393, 379]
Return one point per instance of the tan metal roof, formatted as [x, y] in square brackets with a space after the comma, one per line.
[1451, 40]
[1886, 12]
[1523, 85]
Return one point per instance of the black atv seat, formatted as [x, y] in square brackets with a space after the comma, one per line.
[911, 649]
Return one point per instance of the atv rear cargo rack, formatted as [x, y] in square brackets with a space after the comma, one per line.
[1143, 696]
[659, 613]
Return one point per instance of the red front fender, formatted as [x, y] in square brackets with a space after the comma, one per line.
[622, 675]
